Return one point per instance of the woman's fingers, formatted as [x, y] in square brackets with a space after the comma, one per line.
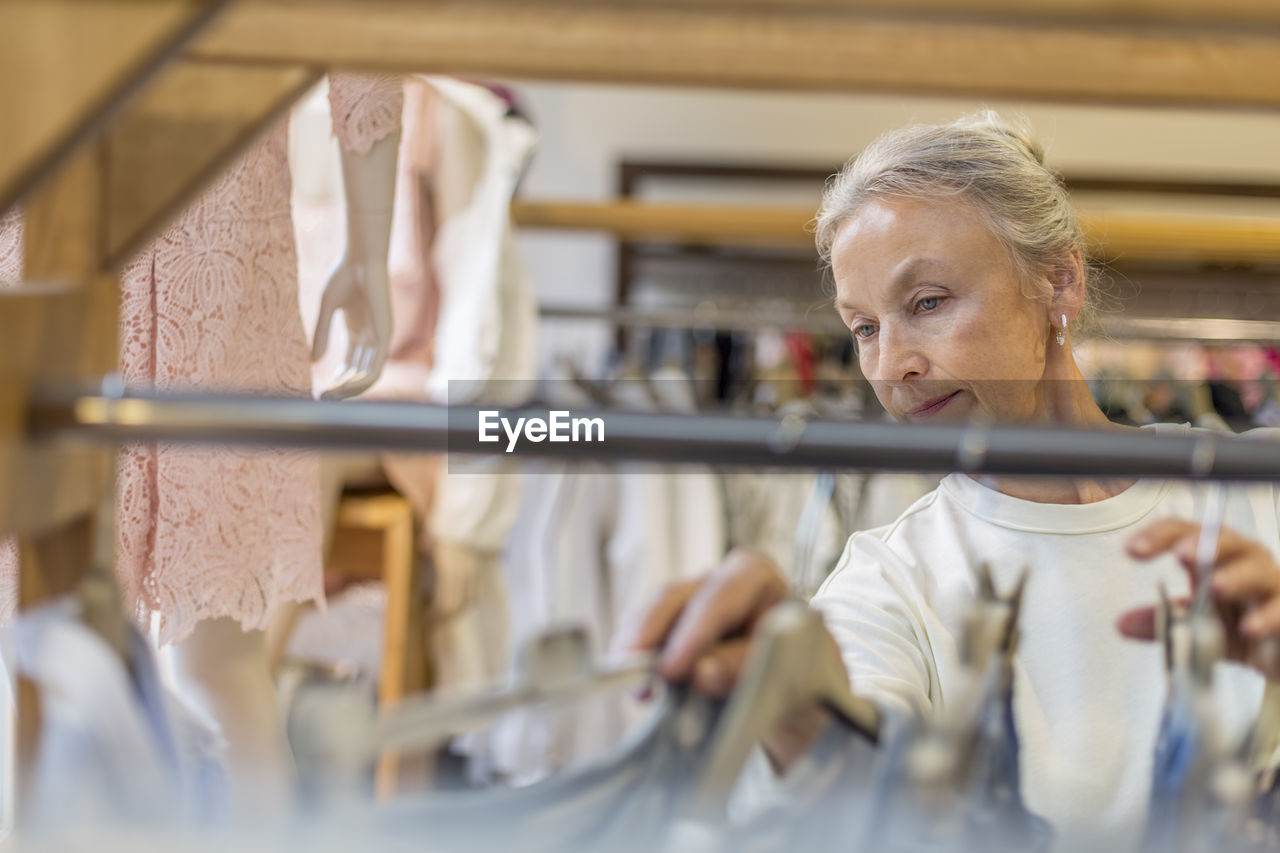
[702, 626]
[648, 631]
[1263, 622]
[1138, 624]
[745, 585]
[716, 672]
[1182, 539]
[1250, 578]
[1245, 585]
[1159, 537]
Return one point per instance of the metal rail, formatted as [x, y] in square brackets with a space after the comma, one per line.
[790, 442]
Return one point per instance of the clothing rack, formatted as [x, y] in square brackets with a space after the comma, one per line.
[789, 442]
[821, 321]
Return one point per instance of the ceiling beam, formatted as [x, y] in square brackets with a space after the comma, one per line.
[180, 135]
[1196, 13]
[70, 64]
[775, 45]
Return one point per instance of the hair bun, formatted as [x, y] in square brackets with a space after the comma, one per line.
[1015, 128]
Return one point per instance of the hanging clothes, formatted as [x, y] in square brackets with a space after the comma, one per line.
[485, 349]
[766, 510]
[631, 799]
[114, 748]
[212, 303]
[557, 571]
[593, 546]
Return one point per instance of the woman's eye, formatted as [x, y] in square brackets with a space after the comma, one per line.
[929, 303]
[864, 331]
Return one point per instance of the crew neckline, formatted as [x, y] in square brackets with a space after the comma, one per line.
[1118, 511]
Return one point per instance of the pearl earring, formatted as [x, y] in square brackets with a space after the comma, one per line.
[1062, 333]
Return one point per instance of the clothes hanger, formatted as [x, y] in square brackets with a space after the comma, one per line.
[580, 381]
[988, 644]
[792, 666]
[960, 786]
[555, 666]
[809, 530]
[1201, 783]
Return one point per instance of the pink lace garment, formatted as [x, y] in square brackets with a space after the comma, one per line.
[213, 304]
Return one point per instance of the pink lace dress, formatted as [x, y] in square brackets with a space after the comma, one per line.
[213, 304]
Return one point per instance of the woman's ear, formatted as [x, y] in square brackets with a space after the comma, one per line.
[1067, 279]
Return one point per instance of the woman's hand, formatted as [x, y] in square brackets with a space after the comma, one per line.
[1245, 590]
[704, 629]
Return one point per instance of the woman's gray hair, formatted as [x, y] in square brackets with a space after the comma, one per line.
[993, 162]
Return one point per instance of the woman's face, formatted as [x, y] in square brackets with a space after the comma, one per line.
[943, 327]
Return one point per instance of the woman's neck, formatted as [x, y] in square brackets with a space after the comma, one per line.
[1065, 400]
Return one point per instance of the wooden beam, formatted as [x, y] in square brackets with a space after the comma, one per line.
[767, 45]
[1111, 236]
[1229, 240]
[69, 64]
[180, 134]
[644, 222]
[25, 326]
[75, 309]
[1196, 13]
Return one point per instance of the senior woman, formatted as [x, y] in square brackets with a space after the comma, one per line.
[958, 270]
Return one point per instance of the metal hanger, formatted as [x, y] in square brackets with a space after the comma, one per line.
[792, 666]
[1204, 787]
[960, 784]
[553, 667]
[988, 644]
[809, 531]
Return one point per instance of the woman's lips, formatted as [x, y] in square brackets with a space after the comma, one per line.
[931, 408]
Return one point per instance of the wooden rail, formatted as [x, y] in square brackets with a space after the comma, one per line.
[1111, 236]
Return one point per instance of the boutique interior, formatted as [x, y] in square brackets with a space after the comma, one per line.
[263, 263]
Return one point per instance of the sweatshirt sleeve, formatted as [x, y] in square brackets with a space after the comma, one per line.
[876, 613]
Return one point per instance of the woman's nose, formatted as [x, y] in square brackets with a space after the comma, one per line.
[900, 358]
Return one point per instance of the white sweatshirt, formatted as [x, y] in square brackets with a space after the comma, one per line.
[1087, 701]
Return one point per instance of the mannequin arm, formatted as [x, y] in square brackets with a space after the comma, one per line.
[358, 285]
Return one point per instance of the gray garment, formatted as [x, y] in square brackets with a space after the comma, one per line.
[835, 803]
[628, 800]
